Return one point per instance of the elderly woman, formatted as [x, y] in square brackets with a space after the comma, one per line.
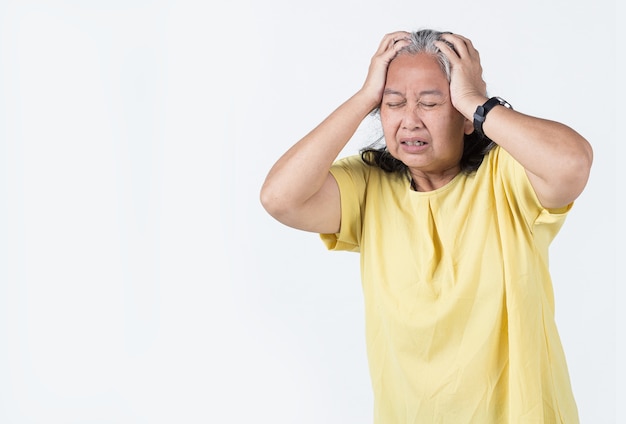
[452, 218]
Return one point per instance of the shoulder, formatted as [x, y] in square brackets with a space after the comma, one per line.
[355, 171]
[348, 163]
[509, 178]
[350, 167]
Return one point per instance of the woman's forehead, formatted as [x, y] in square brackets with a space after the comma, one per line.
[422, 71]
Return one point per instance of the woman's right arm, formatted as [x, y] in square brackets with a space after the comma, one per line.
[299, 190]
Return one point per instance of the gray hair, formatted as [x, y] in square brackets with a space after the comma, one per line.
[423, 41]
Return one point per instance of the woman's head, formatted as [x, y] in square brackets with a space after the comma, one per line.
[422, 129]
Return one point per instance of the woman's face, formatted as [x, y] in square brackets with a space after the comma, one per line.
[421, 127]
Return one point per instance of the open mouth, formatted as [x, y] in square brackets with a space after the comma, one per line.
[415, 143]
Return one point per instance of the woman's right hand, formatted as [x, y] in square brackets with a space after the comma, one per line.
[299, 190]
[374, 84]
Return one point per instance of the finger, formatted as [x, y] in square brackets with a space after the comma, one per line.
[462, 45]
[465, 40]
[454, 43]
[398, 35]
[392, 39]
[448, 49]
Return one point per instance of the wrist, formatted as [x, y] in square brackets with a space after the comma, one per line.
[366, 99]
[480, 115]
[469, 105]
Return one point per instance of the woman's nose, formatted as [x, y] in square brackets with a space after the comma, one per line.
[412, 117]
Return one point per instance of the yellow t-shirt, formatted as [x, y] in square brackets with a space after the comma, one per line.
[458, 298]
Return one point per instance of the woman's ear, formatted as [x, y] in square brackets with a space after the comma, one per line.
[468, 126]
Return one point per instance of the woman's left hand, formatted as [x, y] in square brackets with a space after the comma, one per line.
[467, 87]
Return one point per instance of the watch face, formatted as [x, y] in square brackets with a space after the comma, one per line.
[504, 103]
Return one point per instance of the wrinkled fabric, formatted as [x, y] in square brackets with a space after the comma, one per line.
[458, 298]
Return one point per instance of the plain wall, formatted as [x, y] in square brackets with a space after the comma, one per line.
[140, 279]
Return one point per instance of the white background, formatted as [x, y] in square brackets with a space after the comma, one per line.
[140, 279]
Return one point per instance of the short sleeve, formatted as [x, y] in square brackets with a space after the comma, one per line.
[351, 174]
[540, 219]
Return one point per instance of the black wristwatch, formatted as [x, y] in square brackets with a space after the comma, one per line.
[483, 110]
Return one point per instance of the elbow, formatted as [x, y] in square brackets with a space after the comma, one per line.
[585, 157]
[268, 199]
[567, 179]
[579, 169]
[273, 202]
[576, 166]
[582, 165]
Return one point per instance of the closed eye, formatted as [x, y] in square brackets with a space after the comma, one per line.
[428, 105]
[395, 104]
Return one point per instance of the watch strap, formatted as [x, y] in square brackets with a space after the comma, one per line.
[481, 112]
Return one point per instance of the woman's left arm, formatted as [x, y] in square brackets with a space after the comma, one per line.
[557, 159]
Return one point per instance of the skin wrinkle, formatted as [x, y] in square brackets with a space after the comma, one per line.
[412, 77]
